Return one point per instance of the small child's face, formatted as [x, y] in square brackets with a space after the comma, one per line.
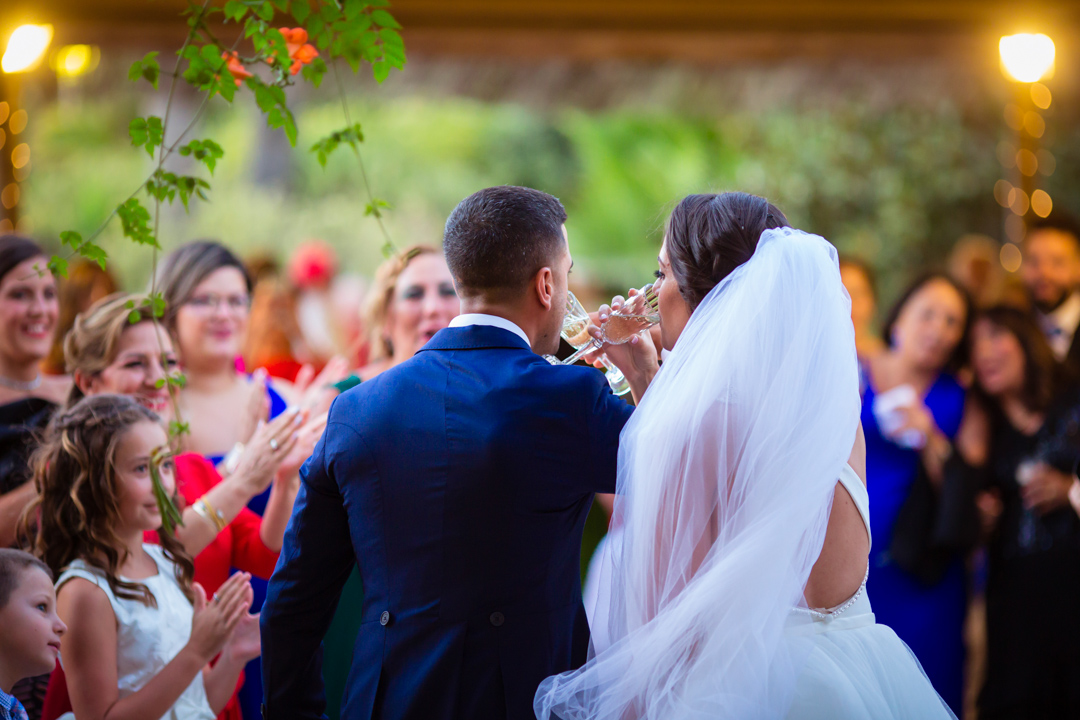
[138, 506]
[30, 629]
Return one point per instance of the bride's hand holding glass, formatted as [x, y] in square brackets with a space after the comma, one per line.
[638, 359]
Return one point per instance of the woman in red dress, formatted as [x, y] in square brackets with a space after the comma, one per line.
[107, 353]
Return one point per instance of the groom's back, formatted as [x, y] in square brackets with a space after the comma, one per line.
[471, 472]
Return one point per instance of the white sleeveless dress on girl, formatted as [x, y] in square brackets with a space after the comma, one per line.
[148, 638]
[855, 667]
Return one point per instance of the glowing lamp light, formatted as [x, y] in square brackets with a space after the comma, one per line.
[1027, 57]
[71, 61]
[26, 47]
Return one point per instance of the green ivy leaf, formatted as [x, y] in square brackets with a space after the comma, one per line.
[147, 132]
[301, 10]
[147, 69]
[134, 317]
[381, 70]
[71, 238]
[93, 252]
[235, 10]
[265, 10]
[135, 222]
[384, 19]
[157, 302]
[58, 266]
[375, 207]
[207, 152]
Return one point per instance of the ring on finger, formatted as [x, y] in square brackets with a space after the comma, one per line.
[217, 598]
[273, 444]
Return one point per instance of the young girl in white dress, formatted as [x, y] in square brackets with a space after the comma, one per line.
[738, 587]
[140, 635]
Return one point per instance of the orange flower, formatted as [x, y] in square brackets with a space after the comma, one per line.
[300, 51]
[239, 72]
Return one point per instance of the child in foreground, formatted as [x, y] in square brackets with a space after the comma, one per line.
[30, 629]
[141, 633]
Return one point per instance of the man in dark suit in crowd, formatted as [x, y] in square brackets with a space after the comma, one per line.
[459, 483]
[1051, 274]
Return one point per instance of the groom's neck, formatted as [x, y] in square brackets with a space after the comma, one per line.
[515, 312]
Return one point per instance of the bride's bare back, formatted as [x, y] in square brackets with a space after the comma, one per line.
[841, 567]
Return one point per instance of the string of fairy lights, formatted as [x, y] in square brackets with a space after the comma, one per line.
[1027, 59]
[26, 49]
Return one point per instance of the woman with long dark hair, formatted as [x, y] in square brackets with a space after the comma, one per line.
[1033, 582]
[917, 418]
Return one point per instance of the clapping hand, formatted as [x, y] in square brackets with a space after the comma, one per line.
[215, 619]
[244, 644]
[316, 392]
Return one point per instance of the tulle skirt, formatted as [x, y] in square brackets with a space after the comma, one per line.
[856, 668]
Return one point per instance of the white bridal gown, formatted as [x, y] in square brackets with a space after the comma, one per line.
[857, 668]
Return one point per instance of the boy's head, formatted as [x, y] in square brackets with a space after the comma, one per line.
[30, 629]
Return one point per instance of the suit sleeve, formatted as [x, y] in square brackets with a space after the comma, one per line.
[316, 559]
[606, 416]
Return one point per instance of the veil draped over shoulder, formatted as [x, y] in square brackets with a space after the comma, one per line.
[726, 478]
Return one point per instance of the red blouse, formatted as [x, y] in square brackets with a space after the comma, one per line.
[238, 546]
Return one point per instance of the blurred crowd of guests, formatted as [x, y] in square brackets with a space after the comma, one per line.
[263, 350]
[971, 409]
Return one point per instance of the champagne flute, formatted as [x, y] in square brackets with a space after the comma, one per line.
[639, 312]
[575, 330]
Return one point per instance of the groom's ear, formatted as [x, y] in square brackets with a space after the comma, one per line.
[543, 286]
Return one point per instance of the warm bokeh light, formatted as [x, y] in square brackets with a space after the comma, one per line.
[1034, 124]
[1040, 95]
[1010, 257]
[26, 47]
[1019, 201]
[1002, 188]
[1027, 162]
[9, 196]
[1041, 203]
[71, 61]
[1027, 57]
[18, 121]
[1047, 162]
[20, 155]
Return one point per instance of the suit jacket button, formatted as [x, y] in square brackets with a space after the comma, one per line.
[497, 619]
[384, 619]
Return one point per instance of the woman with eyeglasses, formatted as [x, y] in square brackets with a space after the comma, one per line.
[207, 294]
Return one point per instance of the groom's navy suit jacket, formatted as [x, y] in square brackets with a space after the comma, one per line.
[458, 482]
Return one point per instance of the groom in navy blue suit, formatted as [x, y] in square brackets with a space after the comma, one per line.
[458, 482]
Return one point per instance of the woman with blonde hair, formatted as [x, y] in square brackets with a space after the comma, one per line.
[411, 299]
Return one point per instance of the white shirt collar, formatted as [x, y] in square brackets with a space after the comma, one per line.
[1067, 316]
[493, 320]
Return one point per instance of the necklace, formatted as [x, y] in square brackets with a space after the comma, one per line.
[21, 385]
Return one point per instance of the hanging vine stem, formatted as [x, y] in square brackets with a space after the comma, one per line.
[357, 31]
[374, 206]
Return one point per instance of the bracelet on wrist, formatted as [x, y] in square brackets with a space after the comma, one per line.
[209, 513]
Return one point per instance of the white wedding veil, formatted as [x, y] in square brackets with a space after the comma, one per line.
[726, 478]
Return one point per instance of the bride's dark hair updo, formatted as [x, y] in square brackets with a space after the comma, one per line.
[708, 236]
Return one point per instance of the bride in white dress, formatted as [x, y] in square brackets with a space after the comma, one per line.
[737, 589]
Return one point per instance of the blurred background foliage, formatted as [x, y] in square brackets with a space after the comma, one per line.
[894, 183]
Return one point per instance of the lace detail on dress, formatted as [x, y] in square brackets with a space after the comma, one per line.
[836, 611]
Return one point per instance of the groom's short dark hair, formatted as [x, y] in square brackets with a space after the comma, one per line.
[498, 238]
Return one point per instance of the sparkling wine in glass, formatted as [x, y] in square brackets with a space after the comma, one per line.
[575, 330]
[639, 312]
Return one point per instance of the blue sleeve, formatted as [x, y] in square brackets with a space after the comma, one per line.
[316, 559]
[607, 414]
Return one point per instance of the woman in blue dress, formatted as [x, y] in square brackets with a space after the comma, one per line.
[207, 292]
[914, 413]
